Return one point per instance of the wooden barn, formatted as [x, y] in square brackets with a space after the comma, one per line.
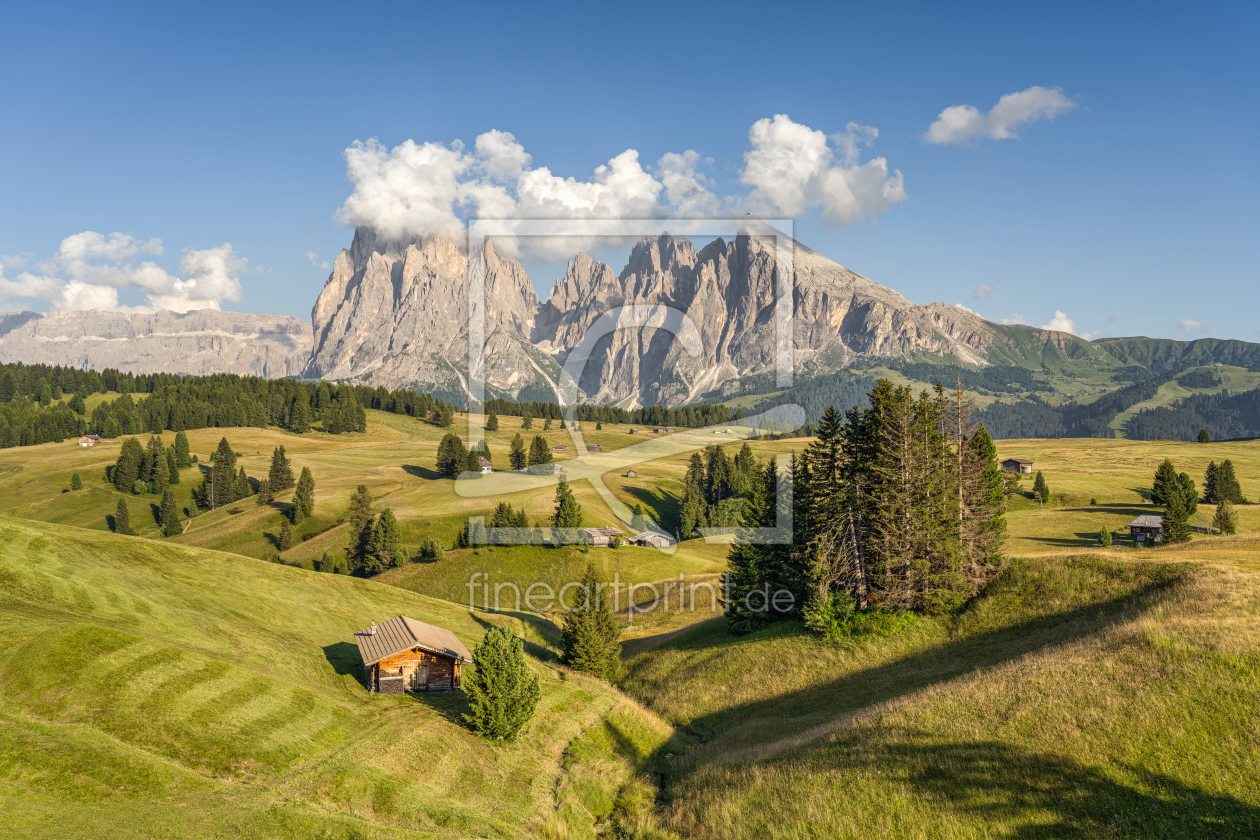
[594, 447]
[631, 474]
[602, 537]
[1146, 527]
[651, 539]
[403, 655]
[1017, 465]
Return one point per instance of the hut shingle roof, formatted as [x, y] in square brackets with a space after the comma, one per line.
[402, 633]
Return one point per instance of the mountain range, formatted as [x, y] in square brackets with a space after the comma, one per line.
[395, 313]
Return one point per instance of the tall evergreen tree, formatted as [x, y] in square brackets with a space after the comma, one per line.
[452, 457]
[241, 486]
[1189, 493]
[1225, 522]
[501, 690]
[1204, 437]
[568, 512]
[264, 493]
[539, 451]
[1210, 494]
[169, 515]
[359, 522]
[127, 467]
[286, 536]
[76, 483]
[280, 476]
[172, 467]
[122, 518]
[1175, 528]
[492, 422]
[304, 497]
[1227, 487]
[300, 415]
[161, 474]
[517, 457]
[527, 421]
[182, 458]
[385, 548]
[589, 635]
[695, 506]
[1042, 492]
[1165, 485]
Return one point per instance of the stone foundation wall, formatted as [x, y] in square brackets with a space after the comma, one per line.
[390, 685]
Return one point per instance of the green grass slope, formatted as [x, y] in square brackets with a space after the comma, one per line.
[1093, 696]
[154, 690]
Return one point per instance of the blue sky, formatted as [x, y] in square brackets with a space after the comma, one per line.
[1132, 212]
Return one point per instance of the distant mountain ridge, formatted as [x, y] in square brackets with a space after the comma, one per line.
[199, 342]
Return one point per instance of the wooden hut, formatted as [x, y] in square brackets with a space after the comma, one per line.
[486, 466]
[594, 447]
[631, 474]
[405, 655]
[602, 536]
[651, 539]
[1146, 527]
[1017, 465]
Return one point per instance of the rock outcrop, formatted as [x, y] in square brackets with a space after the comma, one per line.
[202, 341]
[396, 314]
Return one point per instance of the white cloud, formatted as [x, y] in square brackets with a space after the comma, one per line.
[1015, 318]
[961, 124]
[1190, 326]
[793, 168]
[984, 290]
[89, 268]
[421, 189]
[1060, 322]
[316, 261]
[965, 308]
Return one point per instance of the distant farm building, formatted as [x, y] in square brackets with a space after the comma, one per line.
[1146, 527]
[404, 655]
[631, 474]
[633, 431]
[594, 447]
[89, 440]
[602, 536]
[486, 466]
[651, 539]
[671, 429]
[1017, 465]
[544, 469]
[560, 448]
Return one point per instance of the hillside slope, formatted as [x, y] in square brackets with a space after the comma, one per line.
[1096, 696]
[151, 690]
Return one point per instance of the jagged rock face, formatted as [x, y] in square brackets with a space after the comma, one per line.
[395, 313]
[199, 342]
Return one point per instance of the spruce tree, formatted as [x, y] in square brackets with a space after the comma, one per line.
[122, 518]
[1225, 521]
[1165, 484]
[127, 467]
[359, 524]
[169, 515]
[527, 421]
[517, 457]
[1040, 489]
[264, 493]
[241, 485]
[172, 467]
[539, 451]
[1189, 493]
[1204, 437]
[452, 457]
[492, 422]
[161, 475]
[1175, 528]
[280, 476]
[182, 459]
[599, 427]
[1227, 487]
[1104, 538]
[304, 497]
[1210, 494]
[568, 512]
[547, 425]
[501, 690]
[300, 415]
[76, 483]
[589, 634]
[286, 535]
[384, 549]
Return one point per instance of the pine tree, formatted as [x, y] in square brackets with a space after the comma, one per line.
[384, 549]
[280, 476]
[127, 467]
[1204, 437]
[1175, 528]
[1165, 485]
[122, 518]
[241, 486]
[304, 497]
[527, 421]
[501, 690]
[359, 524]
[547, 424]
[76, 483]
[1225, 522]
[589, 634]
[539, 451]
[492, 422]
[264, 493]
[1210, 494]
[286, 535]
[517, 457]
[300, 415]
[323, 398]
[169, 515]
[695, 507]
[447, 417]
[1104, 538]
[172, 467]
[1189, 493]
[452, 457]
[161, 475]
[182, 459]
[568, 512]
[1227, 487]
[599, 427]
[1041, 490]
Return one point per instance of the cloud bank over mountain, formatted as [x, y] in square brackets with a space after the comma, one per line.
[421, 189]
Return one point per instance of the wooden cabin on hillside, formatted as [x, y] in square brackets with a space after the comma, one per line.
[602, 536]
[1146, 527]
[1017, 465]
[651, 539]
[403, 655]
[89, 440]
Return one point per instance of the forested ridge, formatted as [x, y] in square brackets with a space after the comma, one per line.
[1223, 415]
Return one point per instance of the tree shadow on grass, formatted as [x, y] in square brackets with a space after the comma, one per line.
[346, 661]
[421, 472]
[450, 705]
[542, 654]
[668, 507]
[797, 713]
[1039, 796]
